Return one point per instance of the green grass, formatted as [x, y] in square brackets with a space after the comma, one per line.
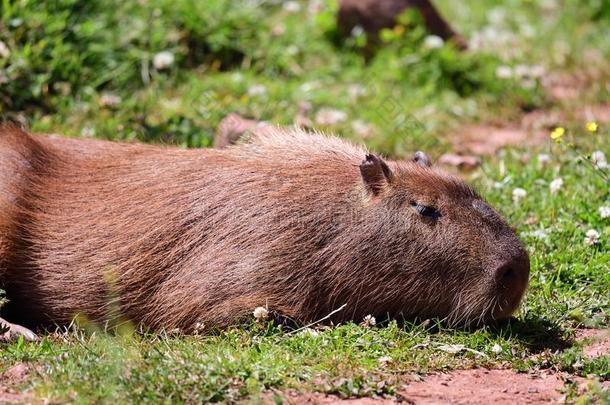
[65, 56]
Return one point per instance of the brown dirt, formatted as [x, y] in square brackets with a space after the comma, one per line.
[477, 386]
[463, 162]
[597, 342]
[12, 377]
[565, 87]
[487, 140]
[481, 386]
[472, 141]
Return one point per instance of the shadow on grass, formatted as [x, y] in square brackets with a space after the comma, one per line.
[535, 333]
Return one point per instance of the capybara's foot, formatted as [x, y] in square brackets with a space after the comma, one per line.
[10, 332]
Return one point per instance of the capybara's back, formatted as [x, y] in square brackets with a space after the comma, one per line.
[300, 223]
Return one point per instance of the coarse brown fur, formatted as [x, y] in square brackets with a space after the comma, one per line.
[293, 221]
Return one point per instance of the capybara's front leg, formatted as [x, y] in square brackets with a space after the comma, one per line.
[10, 332]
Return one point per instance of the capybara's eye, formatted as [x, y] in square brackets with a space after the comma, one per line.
[426, 211]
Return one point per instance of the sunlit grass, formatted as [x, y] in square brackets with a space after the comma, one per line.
[407, 98]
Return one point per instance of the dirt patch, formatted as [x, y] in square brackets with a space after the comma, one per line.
[565, 87]
[599, 113]
[597, 342]
[12, 377]
[532, 128]
[487, 140]
[481, 386]
[294, 398]
[462, 162]
[477, 386]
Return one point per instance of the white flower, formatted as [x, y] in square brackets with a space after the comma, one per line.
[531, 72]
[362, 128]
[599, 159]
[528, 83]
[260, 314]
[556, 185]
[292, 6]
[357, 31]
[496, 15]
[527, 30]
[163, 60]
[309, 332]
[292, 50]
[537, 71]
[592, 237]
[199, 327]
[257, 90]
[504, 72]
[384, 359]
[543, 159]
[356, 91]
[309, 86]
[604, 212]
[109, 100]
[369, 321]
[519, 194]
[315, 6]
[549, 4]
[4, 51]
[88, 132]
[433, 42]
[538, 234]
[497, 349]
[522, 70]
[328, 116]
[278, 29]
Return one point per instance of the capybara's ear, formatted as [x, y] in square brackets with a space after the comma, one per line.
[422, 159]
[376, 174]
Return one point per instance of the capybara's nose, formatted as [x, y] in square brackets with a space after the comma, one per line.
[511, 280]
[514, 272]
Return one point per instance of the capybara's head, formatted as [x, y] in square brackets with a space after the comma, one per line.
[458, 257]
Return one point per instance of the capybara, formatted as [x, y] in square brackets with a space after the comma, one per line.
[374, 15]
[297, 222]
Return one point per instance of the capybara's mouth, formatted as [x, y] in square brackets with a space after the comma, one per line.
[509, 300]
[511, 281]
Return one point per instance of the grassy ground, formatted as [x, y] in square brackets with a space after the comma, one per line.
[88, 69]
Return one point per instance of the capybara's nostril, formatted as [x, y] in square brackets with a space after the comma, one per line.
[513, 273]
[506, 274]
[511, 282]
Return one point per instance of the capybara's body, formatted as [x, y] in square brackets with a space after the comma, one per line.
[292, 221]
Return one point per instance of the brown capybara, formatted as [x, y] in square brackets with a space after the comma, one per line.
[299, 223]
[374, 15]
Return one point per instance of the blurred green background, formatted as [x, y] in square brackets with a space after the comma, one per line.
[88, 68]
